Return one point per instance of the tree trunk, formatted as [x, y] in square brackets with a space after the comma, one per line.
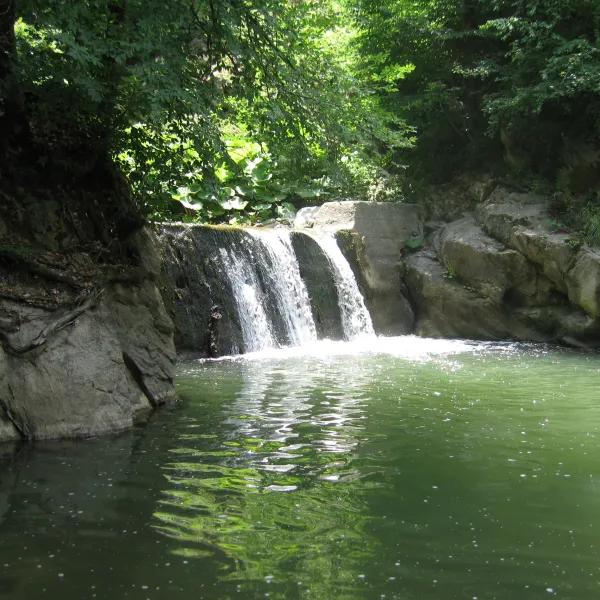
[14, 130]
[7, 37]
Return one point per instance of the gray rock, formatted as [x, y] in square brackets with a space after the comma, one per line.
[196, 291]
[90, 368]
[445, 308]
[305, 217]
[523, 226]
[145, 333]
[390, 310]
[379, 234]
[77, 384]
[8, 432]
[489, 267]
[583, 281]
[563, 324]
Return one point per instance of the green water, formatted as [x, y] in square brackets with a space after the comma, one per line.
[447, 472]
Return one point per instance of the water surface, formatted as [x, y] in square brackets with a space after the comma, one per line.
[401, 468]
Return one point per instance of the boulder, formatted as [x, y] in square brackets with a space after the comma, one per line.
[563, 324]
[583, 281]
[522, 223]
[378, 235]
[88, 366]
[8, 432]
[96, 375]
[488, 266]
[445, 308]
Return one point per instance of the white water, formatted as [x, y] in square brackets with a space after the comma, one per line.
[409, 347]
[287, 285]
[269, 292]
[256, 329]
[356, 319]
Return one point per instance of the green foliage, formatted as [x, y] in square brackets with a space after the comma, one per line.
[450, 271]
[590, 225]
[414, 243]
[580, 215]
[243, 191]
[238, 111]
[484, 79]
[168, 89]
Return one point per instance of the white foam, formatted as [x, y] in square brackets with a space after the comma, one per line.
[410, 347]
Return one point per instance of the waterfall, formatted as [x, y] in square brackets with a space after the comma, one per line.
[243, 278]
[249, 290]
[283, 279]
[268, 291]
[356, 319]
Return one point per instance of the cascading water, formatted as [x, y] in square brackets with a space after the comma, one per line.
[356, 319]
[243, 277]
[280, 265]
[265, 281]
[250, 290]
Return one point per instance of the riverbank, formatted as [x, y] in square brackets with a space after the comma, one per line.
[86, 344]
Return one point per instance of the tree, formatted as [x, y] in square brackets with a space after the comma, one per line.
[160, 87]
[480, 78]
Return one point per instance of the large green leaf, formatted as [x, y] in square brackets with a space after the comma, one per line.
[233, 203]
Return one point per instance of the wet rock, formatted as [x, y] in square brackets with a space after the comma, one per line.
[390, 310]
[8, 432]
[563, 324]
[315, 271]
[196, 291]
[305, 217]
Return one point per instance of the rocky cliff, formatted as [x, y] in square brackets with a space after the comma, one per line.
[496, 271]
[501, 272]
[86, 344]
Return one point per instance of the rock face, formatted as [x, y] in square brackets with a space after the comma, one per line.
[488, 267]
[374, 237]
[503, 274]
[446, 308]
[195, 288]
[523, 225]
[89, 366]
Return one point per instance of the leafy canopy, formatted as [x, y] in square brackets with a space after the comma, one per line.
[173, 90]
[482, 78]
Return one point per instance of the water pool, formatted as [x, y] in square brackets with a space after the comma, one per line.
[399, 468]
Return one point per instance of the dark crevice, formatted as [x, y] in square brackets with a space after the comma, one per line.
[138, 377]
[6, 412]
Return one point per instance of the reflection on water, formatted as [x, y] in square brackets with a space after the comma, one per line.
[380, 469]
[277, 492]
